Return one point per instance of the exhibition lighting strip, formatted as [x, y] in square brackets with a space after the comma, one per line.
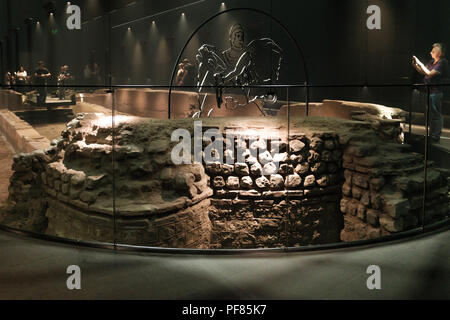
[158, 14]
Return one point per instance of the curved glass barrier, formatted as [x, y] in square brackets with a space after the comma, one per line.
[208, 131]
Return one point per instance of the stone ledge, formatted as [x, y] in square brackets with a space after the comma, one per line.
[20, 134]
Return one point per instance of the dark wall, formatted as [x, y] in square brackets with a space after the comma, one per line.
[338, 47]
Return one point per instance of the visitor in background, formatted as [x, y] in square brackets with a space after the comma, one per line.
[87, 75]
[63, 80]
[435, 71]
[95, 74]
[9, 79]
[21, 79]
[189, 73]
[180, 75]
[41, 74]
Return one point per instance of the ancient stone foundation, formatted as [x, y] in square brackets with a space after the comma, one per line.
[321, 181]
[277, 197]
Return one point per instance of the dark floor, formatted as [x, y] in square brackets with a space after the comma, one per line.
[412, 269]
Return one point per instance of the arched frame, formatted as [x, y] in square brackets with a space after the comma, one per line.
[297, 45]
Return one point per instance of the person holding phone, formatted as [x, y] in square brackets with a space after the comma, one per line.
[434, 73]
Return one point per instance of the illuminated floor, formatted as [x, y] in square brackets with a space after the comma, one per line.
[414, 269]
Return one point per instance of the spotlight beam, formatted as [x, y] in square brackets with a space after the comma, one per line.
[158, 14]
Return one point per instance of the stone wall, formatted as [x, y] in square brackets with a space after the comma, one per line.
[383, 190]
[283, 197]
[73, 184]
[329, 180]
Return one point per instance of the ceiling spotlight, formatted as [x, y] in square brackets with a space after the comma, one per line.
[183, 14]
[50, 7]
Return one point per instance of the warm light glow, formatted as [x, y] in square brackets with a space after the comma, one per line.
[106, 121]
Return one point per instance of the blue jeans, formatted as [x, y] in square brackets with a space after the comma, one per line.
[436, 118]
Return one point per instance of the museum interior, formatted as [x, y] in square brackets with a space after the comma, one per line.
[210, 127]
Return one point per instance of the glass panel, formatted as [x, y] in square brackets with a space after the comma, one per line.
[60, 149]
[438, 156]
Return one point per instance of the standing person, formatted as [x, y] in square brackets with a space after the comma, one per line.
[41, 74]
[435, 71]
[189, 73]
[21, 79]
[9, 79]
[181, 73]
[63, 80]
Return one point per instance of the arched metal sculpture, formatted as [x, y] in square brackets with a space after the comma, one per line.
[237, 66]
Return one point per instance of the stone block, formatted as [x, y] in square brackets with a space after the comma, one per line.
[316, 144]
[270, 168]
[391, 224]
[318, 168]
[227, 169]
[293, 181]
[373, 217]
[286, 169]
[219, 182]
[302, 169]
[396, 207]
[262, 183]
[365, 198]
[241, 169]
[361, 181]
[352, 208]
[265, 157]
[251, 160]
[347, 190]
[214, 168]
[256, 170]
[280, 157]
[222, 203]
[310, 181]
[274, 194]
[246, 182]
[343, 205]
[276, 182]
[78, 179]
[249, 194]
[373, 233]
[296, 146]
[313, 156]
[233, 183]
[377, 183]
[296, 159]
[323, 181]
[361, 212]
